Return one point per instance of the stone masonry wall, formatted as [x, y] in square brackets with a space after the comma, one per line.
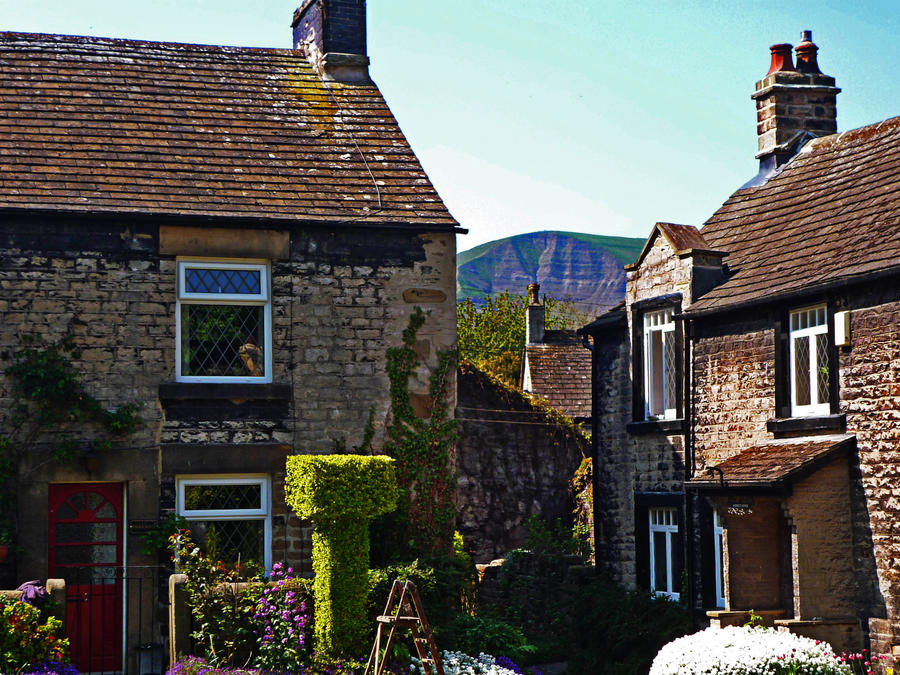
[339, 300]
[626, 462]
[734, 387]
[819, 509]
[870, 397]
[514, 463]
[660, 273]
[614, 494]
[630, 462]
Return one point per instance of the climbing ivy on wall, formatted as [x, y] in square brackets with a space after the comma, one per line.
[47, 405]
[422, 447]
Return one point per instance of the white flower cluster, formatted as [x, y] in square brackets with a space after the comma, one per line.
[743, 650]
[457, 663]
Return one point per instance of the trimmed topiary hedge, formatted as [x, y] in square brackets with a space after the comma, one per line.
[340, 494]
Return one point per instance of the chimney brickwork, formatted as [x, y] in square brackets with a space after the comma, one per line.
[534, 317]
[333, 33]
[793, 103]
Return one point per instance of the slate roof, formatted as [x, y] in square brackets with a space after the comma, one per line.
[560, 370]
[774, 463]
[832, 214]
[104, 125]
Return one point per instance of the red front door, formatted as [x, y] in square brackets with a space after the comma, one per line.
[86, 551]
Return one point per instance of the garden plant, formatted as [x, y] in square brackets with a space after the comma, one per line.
[753, 650]
[29, 638]
[339, 493]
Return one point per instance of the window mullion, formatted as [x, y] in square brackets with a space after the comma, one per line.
[813, 370]
[670, 548]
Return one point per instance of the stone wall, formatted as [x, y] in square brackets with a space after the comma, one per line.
[514, 462]
[628, 461]
[870, 396]
[734, 386]
[340, 299]
[819, 512]
[660, 273]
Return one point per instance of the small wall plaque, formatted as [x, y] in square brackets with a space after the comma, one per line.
[424, 295]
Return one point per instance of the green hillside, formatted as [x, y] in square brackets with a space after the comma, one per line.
[585, 267]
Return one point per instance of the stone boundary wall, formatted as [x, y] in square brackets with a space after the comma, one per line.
[511, 466]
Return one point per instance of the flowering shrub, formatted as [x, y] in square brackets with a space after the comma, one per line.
[194, 665]
[747, 651]
[281, 616]
[222, 609]
[318, 665]
[27, 638]
[52, 668]
[457, 663]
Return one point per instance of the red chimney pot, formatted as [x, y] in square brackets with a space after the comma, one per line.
[781, 58]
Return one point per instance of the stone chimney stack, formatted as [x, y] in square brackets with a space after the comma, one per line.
[333, 33]
[793, 104]
[534, 317]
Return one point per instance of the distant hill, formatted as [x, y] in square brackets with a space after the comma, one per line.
[585, 267]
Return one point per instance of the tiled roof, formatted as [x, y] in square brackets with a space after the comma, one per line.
[773, 463]
[102, 125]
[560, 370]
[832, 213]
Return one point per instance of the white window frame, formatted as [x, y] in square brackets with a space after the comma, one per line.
[664, 519]
[658, 322]
[263, 298]
[719, 549]
[263, 513]
[809, 333]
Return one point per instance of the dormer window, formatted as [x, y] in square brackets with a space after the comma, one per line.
[809, 367]
[660, 364]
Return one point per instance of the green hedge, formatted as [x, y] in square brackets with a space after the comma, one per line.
[339, 494]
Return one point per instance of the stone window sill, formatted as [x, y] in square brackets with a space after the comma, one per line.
[675, 426]
[792, 425]
[215, 401]
[223, 391]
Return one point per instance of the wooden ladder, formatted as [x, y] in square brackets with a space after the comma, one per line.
[408, 613]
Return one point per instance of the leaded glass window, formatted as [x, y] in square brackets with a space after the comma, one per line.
[224, 322]
[230, 517]
[660, 364]
[809, 362]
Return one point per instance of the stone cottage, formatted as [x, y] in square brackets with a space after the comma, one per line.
[746, 393]
[233, 237]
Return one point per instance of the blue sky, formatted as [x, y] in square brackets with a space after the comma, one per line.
[593, 116]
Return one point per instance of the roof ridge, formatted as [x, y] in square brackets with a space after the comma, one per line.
[12, 36]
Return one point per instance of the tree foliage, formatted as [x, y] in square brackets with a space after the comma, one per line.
[492, 333]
